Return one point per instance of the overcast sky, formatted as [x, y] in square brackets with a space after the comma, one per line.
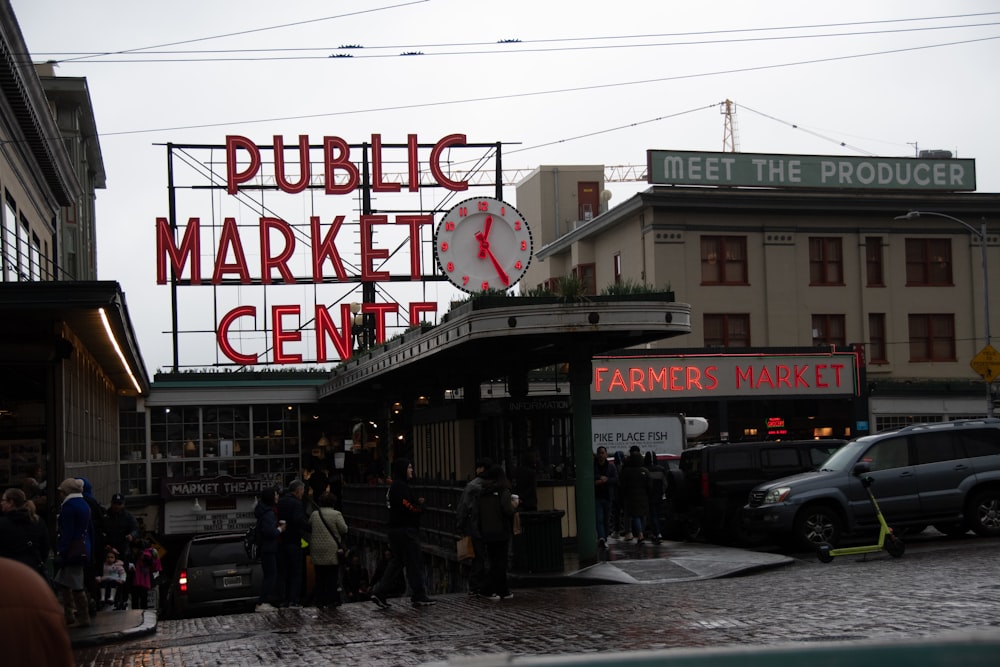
[588, 83]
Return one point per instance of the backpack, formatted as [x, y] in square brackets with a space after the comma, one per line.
[251, 545]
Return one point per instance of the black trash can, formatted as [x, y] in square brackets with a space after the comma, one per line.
[539, 547]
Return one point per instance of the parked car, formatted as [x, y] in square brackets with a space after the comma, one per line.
[943, 474]
[213, 575]
[717, 478]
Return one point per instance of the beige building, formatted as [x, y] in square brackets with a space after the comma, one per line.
[68, 353]
[781, 267]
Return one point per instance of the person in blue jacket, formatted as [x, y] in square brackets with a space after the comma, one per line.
[74, 523]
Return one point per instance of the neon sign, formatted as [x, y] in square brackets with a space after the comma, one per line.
[274, 250]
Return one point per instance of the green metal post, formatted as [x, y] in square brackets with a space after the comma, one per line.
[580, 376]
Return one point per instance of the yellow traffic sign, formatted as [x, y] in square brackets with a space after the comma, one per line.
[987, 363]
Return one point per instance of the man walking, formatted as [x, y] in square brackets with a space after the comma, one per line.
[404, 538]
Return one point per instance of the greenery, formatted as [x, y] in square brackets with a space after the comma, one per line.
[630, 287]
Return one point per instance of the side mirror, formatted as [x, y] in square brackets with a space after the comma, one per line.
[861, 468]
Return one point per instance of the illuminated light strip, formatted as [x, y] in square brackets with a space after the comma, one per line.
[118, 350]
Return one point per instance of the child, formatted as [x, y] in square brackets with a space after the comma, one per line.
[145, 562]
[112, 576]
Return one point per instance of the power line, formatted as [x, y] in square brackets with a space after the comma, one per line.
[601, 86]
[507, 47]
[245, 32]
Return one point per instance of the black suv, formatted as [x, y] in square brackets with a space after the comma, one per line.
[716, 479]
[944, 474]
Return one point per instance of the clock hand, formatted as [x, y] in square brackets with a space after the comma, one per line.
[483, 244]
[504, 278]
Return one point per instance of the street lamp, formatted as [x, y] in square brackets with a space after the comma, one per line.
[981, 233]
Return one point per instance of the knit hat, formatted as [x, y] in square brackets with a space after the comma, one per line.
[117, 499]
[71, 485]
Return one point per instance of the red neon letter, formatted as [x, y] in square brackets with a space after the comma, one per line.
[279, 336]
[279, 165]
[321, 249]
[377, 184]
[636, 378]
[819, 376]
[439, 147]
[325, 327]
[234, 177]
[418, 307]
[380, 310]
[230, 236]
[190, 248]
[281, 261]
[599, 378]
[414, 221]
[343, 161]
[222, 335]
[368, 253]
[413, 162]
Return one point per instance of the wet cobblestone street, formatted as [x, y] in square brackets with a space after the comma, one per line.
[938, 587]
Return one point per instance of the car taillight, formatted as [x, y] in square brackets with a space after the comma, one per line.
[704, 485]
[182, 582]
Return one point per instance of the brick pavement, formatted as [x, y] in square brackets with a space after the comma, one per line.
[940, 586]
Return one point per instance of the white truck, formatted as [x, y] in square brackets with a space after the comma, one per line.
[660, 434]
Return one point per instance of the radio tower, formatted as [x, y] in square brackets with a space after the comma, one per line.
[730, 135]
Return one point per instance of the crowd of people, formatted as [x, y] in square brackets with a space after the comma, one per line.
[303, 522]
[99, 559]
[628, 496]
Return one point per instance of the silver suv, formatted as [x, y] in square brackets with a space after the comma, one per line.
[944, 474]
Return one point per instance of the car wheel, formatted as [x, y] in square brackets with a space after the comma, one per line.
[984, 514]
[951, 529]
[818, 524]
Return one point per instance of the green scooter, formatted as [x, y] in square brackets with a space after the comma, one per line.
[887, 539]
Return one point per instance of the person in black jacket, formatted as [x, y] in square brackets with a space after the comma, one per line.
[404, 538]
[496, 514]
[291, 553]
[634, 482]
[268, 533]
[23, 536]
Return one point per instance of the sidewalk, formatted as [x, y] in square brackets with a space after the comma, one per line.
[622, 563]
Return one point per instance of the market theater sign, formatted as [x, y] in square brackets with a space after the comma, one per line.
[275, 242]
[717, 376]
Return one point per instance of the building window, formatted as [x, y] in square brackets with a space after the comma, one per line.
[826, 261]
[618, 268]
[727, 330]
[723, 260]
[932, 337]
[23, 250]
[873, 261]
[828, 330]
[587, 275]
[928, 262]
[10, 241]
[876, 339]
[35, 258]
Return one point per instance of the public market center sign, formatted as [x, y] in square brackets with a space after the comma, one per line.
[809, 171]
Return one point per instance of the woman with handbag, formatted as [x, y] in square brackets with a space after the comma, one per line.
[73, 549]
[326, 549]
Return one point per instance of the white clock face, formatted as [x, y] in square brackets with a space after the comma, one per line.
[483, 243]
